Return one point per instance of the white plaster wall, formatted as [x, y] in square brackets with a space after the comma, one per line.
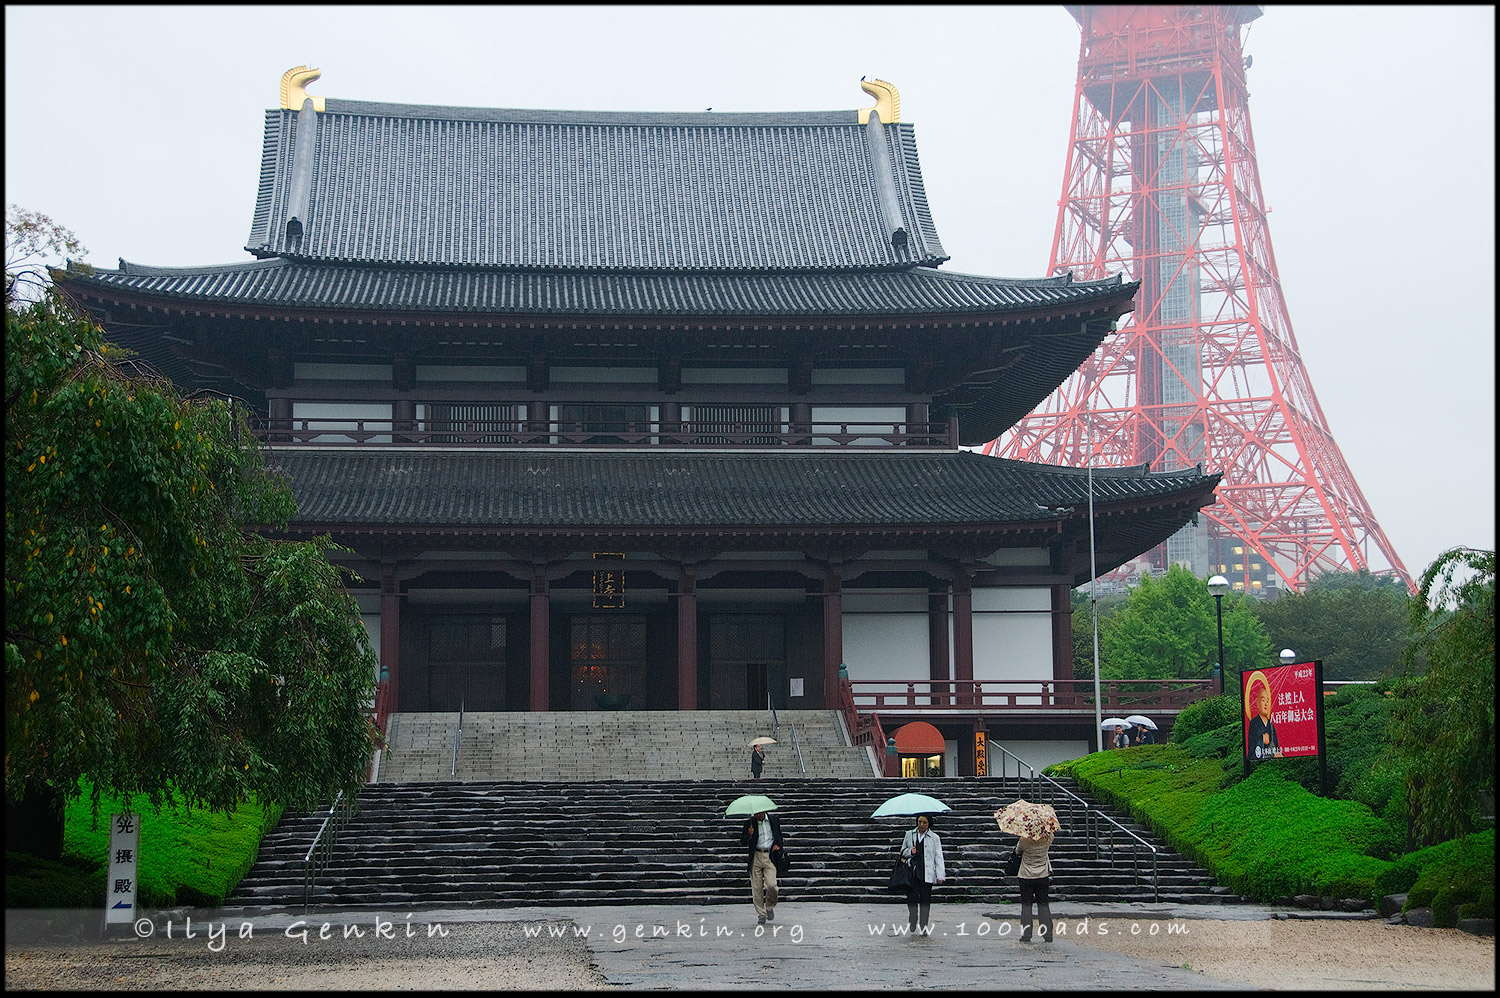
[372, 628]
[1039, 754]
[886, 646]
[1012, 645]
[341, 415]
[885, 636]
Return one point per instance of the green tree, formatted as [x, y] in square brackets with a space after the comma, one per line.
[1083, 629]
[31, 238]
[1442, 730]
[1354, 621]
[1168, 629]
[154, 638]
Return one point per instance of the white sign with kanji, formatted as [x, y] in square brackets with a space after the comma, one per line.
[119, 889]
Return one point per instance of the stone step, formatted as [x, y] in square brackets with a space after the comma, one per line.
[430, 844]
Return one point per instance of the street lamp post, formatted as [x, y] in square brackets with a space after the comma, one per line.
[1217, 587]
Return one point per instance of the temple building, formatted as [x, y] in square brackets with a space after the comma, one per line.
[662, 411]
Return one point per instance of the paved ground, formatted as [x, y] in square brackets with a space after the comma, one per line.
[836, 947]
[817, 946]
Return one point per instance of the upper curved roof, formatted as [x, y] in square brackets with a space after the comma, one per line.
[398, 184]
[299, 284]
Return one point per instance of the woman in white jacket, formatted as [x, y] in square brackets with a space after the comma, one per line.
[922, 848]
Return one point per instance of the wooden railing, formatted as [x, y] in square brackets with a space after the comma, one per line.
[863, 731]
[334, 432]
[949, 696]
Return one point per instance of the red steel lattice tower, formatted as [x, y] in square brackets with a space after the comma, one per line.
[1162, 185]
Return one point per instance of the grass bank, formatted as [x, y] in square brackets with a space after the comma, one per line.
[193, 858]
[1269, 838]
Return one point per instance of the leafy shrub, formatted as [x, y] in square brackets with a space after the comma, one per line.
[1458, 873]
[1206, 715]
[70, 882]
[1220, 743]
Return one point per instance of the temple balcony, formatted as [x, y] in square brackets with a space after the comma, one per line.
[523, 433]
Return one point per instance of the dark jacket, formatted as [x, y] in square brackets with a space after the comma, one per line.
[756, 761]
[1262, 737]
[747, 839]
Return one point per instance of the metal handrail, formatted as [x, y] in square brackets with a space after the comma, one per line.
[321, 850]
[458, 737]
[1092, 816]
[797, 744]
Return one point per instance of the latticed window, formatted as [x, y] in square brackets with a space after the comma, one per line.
[471, 423]
[466, 663]
[724, 424]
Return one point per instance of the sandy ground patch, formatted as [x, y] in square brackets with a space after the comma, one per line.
[1304, 954]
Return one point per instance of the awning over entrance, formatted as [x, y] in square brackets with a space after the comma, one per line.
[918, 738]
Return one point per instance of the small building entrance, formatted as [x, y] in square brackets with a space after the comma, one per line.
[921, 749]
[747, 654]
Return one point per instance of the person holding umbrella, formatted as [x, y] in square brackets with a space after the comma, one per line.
[1034, 825]
[761, 838]
[758, 755]
[922, 848]
[1144, 726]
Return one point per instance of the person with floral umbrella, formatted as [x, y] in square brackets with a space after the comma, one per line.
[1034, 825]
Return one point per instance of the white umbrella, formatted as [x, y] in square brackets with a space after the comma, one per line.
[1114, 722]
[762, 740]
[1142, 720]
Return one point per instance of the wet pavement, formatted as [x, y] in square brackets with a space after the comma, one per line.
[815, 946]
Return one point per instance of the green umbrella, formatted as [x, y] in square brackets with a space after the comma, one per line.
[909, 804]
[750, 804]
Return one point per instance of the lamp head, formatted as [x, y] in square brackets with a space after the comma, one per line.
[1288, 656]
[1218, 586]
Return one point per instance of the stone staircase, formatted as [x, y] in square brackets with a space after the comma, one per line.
[616, 745]
[651, 841]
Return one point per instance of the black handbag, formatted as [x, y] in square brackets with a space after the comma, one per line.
[1013, 863]
[901, 876]
[781, 861]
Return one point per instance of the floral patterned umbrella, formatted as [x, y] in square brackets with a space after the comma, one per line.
[1022, 817]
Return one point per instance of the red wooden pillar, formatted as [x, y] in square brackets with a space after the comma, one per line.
[390, 631]
[687, 641]
[541, 640]
[963, 636]
[833, 635]
[938, 669]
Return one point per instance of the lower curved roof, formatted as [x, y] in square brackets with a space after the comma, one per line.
[918, 496]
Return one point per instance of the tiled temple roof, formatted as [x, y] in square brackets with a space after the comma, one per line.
[297, 284]
[643, 488]
[397, 184]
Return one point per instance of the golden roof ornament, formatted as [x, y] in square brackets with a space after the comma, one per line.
[887, 101]
[294, 88]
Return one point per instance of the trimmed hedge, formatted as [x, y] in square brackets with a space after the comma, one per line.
[1457, 874]
[1264, 837]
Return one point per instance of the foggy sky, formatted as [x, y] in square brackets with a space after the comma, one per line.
[140, 129]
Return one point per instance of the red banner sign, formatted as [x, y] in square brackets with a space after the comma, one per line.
[1281, 711]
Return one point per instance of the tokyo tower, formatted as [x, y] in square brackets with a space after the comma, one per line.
[1162, 185]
